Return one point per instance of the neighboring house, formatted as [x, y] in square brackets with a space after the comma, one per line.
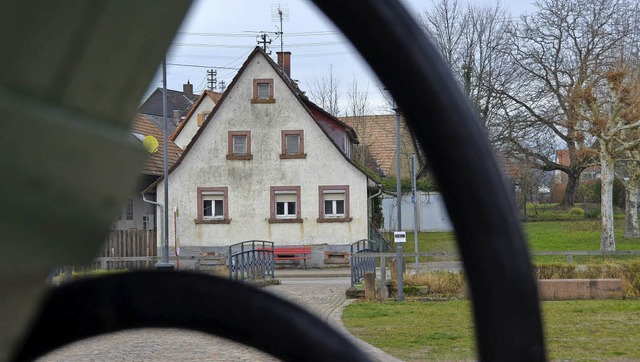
[377, 134]
[178, 106]
[195, 118]
[561, 178]
[137, 214]
[267, 164]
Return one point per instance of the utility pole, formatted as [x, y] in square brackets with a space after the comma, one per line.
[398, 176]
[212, 79]
[414, 198]
[223, 86]
[165, 265]
[265, 41]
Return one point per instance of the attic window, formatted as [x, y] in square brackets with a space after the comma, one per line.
[202, 116]
[263, 91]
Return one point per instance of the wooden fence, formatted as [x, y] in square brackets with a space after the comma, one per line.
[128, 249]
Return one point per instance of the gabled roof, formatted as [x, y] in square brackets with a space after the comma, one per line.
[378, 134]
[292, 87]
[214, 96]
[176, 100]
[155, 163]
[314, 107]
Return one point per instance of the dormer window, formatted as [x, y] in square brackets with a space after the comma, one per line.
[263, 91]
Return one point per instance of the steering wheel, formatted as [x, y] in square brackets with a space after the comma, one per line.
[505, 301]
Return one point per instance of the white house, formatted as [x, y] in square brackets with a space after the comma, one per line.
[195, 118]
[268, 164]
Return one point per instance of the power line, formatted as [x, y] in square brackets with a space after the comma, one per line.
[204, 45]
[200, 66]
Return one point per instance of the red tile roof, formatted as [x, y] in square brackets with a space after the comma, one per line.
[378, 134]
[155, 162]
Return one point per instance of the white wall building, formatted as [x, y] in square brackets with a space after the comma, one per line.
[267, 164]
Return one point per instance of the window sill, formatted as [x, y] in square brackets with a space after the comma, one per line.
[285, 221]
[213, 221]
[263, 101]
[240, 157]
[335, 219]
[293, 156]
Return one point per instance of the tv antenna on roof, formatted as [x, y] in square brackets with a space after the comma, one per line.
[280, 12]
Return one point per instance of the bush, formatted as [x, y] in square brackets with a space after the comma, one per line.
[438, 283]
[577, 211]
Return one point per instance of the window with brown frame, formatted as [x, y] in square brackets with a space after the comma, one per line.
[263, 91]
[213, 205]
[292, 144]
[333, 203]
[285, 204]
[239, 145]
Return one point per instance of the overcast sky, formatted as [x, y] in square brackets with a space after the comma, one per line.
[219, 34]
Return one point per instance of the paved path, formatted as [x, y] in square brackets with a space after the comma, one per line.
[323, 296]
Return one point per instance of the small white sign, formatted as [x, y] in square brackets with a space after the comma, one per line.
[400, 236]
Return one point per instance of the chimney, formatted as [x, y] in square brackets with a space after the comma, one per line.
[176, 117]
[284, 61]
[187, 89]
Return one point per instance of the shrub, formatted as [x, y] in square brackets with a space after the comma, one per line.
[577, 211]
[438, 282]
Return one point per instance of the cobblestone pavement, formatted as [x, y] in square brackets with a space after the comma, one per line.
[323, 296]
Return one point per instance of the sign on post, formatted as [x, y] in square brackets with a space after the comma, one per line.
[400, 236]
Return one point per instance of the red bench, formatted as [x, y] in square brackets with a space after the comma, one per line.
[291, 253]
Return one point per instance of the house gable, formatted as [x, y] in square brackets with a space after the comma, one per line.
[195, 118]
[209, 162]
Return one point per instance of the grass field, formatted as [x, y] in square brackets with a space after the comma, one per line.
[574, 330]
[542, 236]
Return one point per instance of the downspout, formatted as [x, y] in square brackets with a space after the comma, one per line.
[160, 207]
[370, 207]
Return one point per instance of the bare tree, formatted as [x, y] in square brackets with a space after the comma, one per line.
[325, 93]
[558, 52]
[610, 111]
[358, 107]
[473, 41]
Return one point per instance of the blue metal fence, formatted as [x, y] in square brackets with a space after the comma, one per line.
[251, 259]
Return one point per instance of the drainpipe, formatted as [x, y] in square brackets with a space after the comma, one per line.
[370, 207]
[160, 207]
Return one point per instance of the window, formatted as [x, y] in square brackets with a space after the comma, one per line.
[144, 223]
[263, 91]
[293, 144]
[333, 203]
[285, 204]
[213, 205]
[129, 209]
[202, 116]
[239, 145]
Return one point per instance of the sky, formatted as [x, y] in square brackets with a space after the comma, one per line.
[220, 34]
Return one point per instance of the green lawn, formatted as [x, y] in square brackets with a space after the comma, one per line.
[542, 236]
[574, 330]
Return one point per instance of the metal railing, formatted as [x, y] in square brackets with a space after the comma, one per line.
[361, 264]
[379, 243]
[251, 259]
[365, 261]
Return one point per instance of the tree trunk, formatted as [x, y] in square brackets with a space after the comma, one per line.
[631, 210]
[607, 239]
[573, 181]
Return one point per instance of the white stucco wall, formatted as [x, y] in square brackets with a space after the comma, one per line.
[249, 181]
[191, 126]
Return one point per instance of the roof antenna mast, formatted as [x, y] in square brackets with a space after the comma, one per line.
[280, 12]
